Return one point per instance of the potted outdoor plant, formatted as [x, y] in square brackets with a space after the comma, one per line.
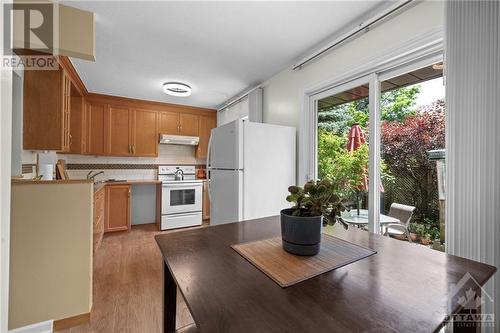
[315, 204]
[425, 239]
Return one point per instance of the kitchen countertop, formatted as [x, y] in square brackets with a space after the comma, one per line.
[55, 181]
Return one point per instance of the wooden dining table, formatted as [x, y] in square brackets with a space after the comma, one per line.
[401, 288]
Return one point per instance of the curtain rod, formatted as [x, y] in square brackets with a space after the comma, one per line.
[360, 28]
[237, 99]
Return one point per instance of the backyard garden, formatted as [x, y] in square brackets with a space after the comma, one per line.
[408, 132]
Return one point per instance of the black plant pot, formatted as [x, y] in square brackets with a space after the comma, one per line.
[300, 235]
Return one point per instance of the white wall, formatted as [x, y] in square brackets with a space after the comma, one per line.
[249, 108]
[283, 92]
[235, 111]
[5, 173]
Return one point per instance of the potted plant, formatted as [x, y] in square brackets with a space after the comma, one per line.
[425, 239]
[415, 231]
[315, 204]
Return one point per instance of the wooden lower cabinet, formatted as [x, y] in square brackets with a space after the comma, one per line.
[206, 202]
[99, 210]
[117, 208]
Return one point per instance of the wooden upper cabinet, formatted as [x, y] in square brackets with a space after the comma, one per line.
[46, 107]
[178, 123]
[169, 122]
[145, 133]
[117, 212]
[206, 123]
[77, 126]
[119, 131]
[66, 98]
[188, 124]
[95, 120]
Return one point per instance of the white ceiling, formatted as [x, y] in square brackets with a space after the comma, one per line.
[219, 48]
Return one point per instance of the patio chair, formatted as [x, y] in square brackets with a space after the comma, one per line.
[403, 213]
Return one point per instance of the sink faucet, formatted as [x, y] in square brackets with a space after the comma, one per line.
[94, 175]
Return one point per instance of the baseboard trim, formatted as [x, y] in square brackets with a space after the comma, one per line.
[42, 327]
[69, 322]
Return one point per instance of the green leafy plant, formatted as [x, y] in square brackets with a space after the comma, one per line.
[432, 228]
[345, 169]
[417, 228]
[426, 231]
[317, 198]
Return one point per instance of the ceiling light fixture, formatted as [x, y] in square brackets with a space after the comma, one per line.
[177, 89]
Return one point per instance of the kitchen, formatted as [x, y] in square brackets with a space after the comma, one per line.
[109, 138]
[73, 139]
[152, 167]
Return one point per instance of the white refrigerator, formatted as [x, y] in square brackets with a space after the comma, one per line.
[250, 166]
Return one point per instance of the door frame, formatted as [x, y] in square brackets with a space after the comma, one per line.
[5, 182]
[412, 54]
[313, 159]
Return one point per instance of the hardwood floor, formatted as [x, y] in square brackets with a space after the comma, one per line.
[127, 286]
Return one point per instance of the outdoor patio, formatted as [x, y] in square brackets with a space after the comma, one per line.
[412, 155]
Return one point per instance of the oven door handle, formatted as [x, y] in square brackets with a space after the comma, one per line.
[187, 186]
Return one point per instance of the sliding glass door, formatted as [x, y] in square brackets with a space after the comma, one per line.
[380, 139]
[413, 152]
[345, 145]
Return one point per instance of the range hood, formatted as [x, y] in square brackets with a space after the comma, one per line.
[179, 140]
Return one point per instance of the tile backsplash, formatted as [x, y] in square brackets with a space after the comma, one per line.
[126, 167]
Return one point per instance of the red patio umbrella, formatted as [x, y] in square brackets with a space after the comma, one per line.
[357, 138]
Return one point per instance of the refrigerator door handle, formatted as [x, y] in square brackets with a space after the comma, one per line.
[208, 151]
[208, 167]
[209, 186]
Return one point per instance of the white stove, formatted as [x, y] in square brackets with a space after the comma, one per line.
[181, 202]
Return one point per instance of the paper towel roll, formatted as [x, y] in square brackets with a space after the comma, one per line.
[47, 170]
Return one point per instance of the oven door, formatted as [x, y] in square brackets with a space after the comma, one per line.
[181, 198]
